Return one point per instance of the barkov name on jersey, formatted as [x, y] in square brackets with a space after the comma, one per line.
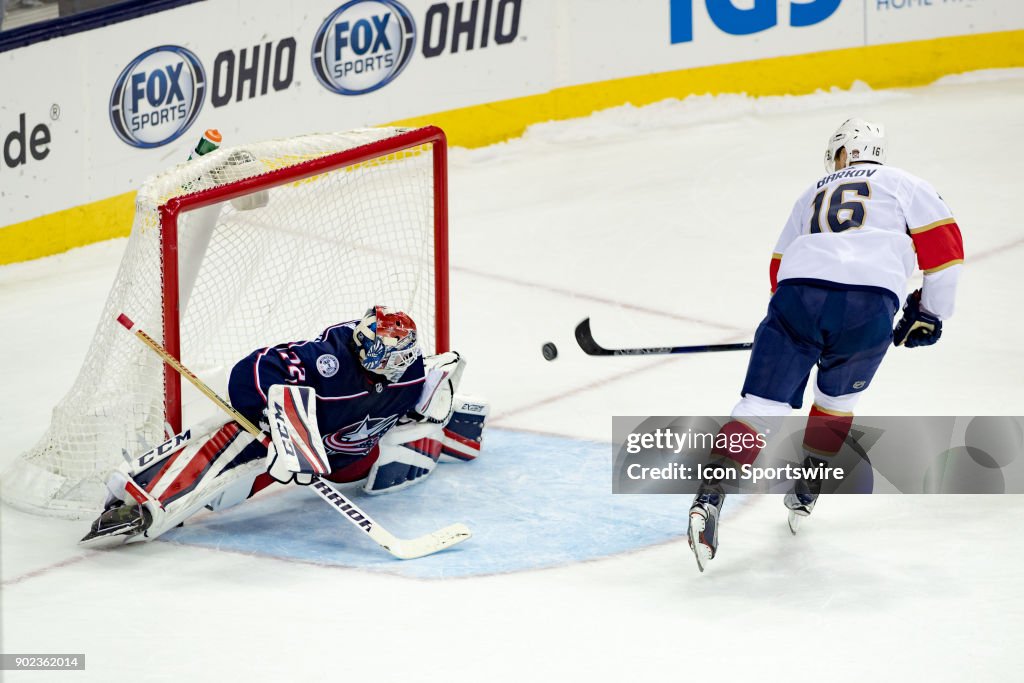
[848, 173]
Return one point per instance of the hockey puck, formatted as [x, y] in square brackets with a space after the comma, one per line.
[550, 351]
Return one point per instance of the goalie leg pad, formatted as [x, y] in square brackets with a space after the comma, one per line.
[181, 473]
[209, 495]
[463, 436]
[408, 453]
[143, 468]
[190, 478]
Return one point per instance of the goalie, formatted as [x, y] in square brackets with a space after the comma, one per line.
[384, 414]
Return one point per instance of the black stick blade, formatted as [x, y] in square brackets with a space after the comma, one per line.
[586, 340]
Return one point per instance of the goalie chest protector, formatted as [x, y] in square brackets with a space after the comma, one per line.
[354, 408]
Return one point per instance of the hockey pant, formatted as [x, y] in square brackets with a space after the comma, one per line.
[844, 333]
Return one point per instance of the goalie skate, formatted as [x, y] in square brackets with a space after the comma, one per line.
[117, 524]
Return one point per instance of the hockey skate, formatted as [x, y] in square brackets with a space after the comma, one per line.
[703, 529]
[800, 505]
[117, 524]
[804, 496]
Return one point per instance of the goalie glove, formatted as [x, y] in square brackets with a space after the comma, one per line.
[297, 451]
[917, 327]
[443, 373]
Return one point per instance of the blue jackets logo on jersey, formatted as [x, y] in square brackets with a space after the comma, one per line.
[363, 45]
[157, 96]
[361, 437]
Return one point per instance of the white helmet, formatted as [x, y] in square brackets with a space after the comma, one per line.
[864, 141]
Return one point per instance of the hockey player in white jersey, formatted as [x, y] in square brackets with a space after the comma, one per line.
[838, 274]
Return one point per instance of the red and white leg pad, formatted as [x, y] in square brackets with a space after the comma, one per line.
[463, 435]
[411, 451]
[201, 473]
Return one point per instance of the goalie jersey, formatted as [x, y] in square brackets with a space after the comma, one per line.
[354, 408]
[866, 227]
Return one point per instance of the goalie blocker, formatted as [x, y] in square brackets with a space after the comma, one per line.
[406, 454]
[225, 465]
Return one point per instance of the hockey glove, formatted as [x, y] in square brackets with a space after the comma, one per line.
[280, 468]
[443, 374]
[917, 327]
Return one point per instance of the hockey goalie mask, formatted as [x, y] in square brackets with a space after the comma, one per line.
[386, 340]
[864, 141]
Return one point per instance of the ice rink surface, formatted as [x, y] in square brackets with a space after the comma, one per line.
[658, 223]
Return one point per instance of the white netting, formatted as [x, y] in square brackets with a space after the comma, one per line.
[320, 251]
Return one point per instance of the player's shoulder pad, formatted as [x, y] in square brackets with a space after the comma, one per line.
[335, 340]
[916, 188]
[338, 331]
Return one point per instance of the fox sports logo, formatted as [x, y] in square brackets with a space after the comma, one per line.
[363, 45]
[158, 96]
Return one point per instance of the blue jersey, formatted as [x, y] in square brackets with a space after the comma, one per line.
[354, 408]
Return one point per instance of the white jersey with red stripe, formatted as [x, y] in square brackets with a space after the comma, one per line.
[867, 226]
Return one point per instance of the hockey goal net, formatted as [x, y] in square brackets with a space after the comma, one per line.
[239, 249]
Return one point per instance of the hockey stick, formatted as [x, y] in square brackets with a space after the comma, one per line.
[585, 339]
[403, 549]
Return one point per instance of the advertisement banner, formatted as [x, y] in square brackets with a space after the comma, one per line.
[125, 101]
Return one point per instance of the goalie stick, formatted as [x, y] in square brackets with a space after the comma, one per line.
[586, 340]
[403, 549]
